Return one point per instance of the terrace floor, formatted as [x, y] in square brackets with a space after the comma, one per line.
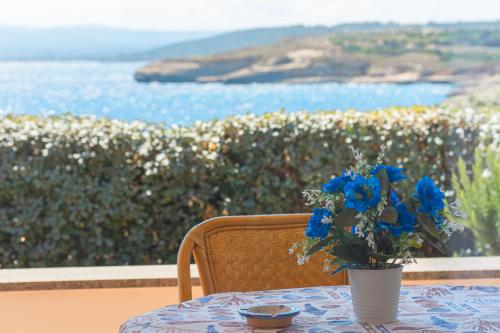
[79, 310]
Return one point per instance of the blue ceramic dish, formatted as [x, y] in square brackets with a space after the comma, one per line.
[269, 316]
[269, 311]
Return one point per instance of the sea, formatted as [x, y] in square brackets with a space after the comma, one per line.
[108, 89]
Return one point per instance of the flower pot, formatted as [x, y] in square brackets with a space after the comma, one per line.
[375, 294]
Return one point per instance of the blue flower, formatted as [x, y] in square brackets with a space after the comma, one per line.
[405, 223]
[395, 230]
[362, 194]
[439, 221]
[316, 228]
[406, 219]
[430, 196]
[394, 174]
[394, 198]
[353, 230]
[336, 184]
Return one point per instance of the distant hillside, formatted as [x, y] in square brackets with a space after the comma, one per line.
[367, 53]
[235, 40]
[83, 42]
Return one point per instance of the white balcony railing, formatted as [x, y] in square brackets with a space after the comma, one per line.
[166, 275]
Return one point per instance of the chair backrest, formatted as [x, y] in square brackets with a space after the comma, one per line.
[249, 253]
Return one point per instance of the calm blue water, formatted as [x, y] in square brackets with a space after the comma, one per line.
[109, 90]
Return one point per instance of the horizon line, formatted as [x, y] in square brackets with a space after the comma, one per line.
[115, 27]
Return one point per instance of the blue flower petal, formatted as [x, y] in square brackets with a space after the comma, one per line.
[315, 228]
[362, 194]
[395, 174]
[336, 184]
[430, 197]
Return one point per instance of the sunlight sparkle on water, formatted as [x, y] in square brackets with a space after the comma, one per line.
[109, 90]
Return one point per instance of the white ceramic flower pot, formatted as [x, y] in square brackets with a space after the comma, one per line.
[375, 294]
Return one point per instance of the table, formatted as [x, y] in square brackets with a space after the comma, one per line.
[329, 309]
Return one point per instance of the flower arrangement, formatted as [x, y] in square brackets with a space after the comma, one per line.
[363, 223]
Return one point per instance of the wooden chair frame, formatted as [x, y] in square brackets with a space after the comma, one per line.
[195, 243]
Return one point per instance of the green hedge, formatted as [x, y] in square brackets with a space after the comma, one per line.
[85, 191]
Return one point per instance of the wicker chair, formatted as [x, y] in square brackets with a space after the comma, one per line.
[248, 253]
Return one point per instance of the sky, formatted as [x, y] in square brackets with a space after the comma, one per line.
[236, 14]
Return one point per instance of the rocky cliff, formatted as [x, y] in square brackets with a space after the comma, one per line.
[433, 55]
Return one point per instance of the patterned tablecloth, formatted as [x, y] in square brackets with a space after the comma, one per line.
[328, 309]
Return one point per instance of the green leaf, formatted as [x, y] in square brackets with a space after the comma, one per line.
[380, 256]
[352, 253]
[319, 245]
[345, 236]
[435, 244]
[389, 215]
[345, 218]
[411, 205]
[427, 225]
[341, 268]
[383, 178]
[336, 261]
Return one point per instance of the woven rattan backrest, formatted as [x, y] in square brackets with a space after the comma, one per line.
[248, 253]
